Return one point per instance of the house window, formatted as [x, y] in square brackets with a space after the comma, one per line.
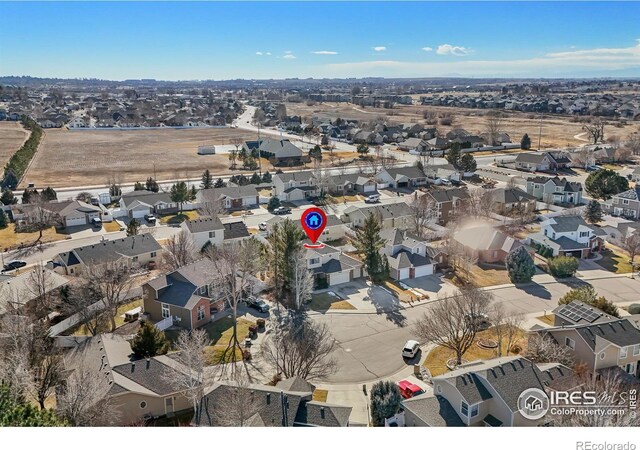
[143, 405]
[625, 201]
[201, 312]
[202, 290]
[166, 312]
[314, 261]
[636, 350]
[623, 352]
[153, 254]
[135, 259]
[570, 343]
[212, 234]
[536, 186]
[464, 409]
[602, 355]
[474, 410]
[629, 368]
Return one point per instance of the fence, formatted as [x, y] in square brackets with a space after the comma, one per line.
[165, 323]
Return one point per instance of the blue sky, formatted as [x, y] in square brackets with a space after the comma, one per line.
[202, 40]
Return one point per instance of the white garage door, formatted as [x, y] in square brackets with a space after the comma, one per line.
[296, 195]
[75, 221]
[139, 214]
[424, 270]
[403, 274]
[338, 278]
[369, 188]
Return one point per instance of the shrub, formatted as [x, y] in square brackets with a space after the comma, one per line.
[563, 266]
[274, 202]
[385, 400]
[520, 266]
[634, 308]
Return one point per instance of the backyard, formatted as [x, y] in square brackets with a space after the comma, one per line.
[437, 358]
[81, 330]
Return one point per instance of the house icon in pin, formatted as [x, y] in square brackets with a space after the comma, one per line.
[314, 220]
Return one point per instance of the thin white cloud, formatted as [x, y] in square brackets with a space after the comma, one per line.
[288, 52]
[600, 60]
[379, 49]
[259, 53]
[268, 53]
[455, 50]
[324, 52]
[289, 56]
[427, 49]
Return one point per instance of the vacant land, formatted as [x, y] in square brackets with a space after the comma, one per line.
[84, 158]
[12, 136]
[557, 131]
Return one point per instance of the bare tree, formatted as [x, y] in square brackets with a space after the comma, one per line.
[40, 285]
[595, 129]
[633, 144]
[191, 378]
[39, 218]
[235, 266]
[302, 280]
[181, 250]
[86, 301]
[239, 404]
[84, 399]
[211, 205]
[15, 344]
[493, 127]
[544, 349]
[112, 280]
[452, 321]
[300, 347]
[631, 244]
[479, 203]
[506, 327]
[424, 213]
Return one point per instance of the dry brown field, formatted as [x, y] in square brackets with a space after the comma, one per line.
[12, 136]
[557, 131]
[86, 158]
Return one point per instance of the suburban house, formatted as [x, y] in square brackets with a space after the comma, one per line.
[184, 296]
[635, 175]
[391, 215]
[287, 404]
[569, 235]
[600, 344]
[138, 204]
[413, 144]
[133, 251]
[333, 230]
[555, 190]
[625, 204]
[447, 201]
[484, 393]
[349, 183]
[293, 186]
[210, 230]
[138, 388]
[402, 177]
[17, 291]
[281, 151]
[74, 213]
[487, 244]
[507, 200]
[229, 198]
[408, 257]
[539, 162]
[578, 313]
[330, 264]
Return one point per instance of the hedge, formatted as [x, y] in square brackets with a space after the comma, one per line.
[20, 160]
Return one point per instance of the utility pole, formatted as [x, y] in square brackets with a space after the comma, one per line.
[259, 155]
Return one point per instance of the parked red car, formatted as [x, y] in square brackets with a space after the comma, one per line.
[408, 389]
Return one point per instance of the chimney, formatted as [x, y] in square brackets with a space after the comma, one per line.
[133, 366]
[322, 412]
[268, 398]
[148, 363]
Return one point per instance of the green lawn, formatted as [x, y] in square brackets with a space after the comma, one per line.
[174, 219]
[615, 260]
[325, 301]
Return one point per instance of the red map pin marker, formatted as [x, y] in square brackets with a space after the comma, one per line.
[313, 221]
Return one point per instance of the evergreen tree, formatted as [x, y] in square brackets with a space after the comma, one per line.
[84, 197]
[115, 191]
[563, 266]
[362, 149]
[250, 163]
[593, 212]
[525, 142]
[149, 341]
[255, 178]
[286, 241]
[219, 183]
[368, 244]
[18, 413]
[605, 183]
[316, 153]
[10, 179]
[454, 155]
[48, 194]
[133, 227]
[180, 193]
[138, 186]
[468, 163]
[192, 193]
[207, 180]
[29, 196]
[266, 177]
[520, 266]
[7, 197]
[152, 185]
[4, 220]
[274, 202]
[385, 401]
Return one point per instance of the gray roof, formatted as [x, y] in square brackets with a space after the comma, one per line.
[619, 332]
[566, 185]
[319, 414]
[334, 265]
[404, 259]
[512, 195]
[204, 224]
[148, 197]
[562, 243]
[178, 287]
[532, 158]
[448, 195]
[67, 207]
[285, 177]
[150, 374]
[235, 230]
[229, 191]
[113, 250]
[486, 238]
[433, 411]
[411, 172]
[19, 290]
[387, 211]
[631, 194]
[296, 384]
[564, 224]
[280, 148]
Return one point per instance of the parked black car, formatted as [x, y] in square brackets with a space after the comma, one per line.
[13, 265]
[257, 304]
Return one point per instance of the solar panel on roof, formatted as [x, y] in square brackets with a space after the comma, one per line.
[576, 312]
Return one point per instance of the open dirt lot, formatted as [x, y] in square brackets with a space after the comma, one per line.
[12, 136]
[82, 158]
[557, 131]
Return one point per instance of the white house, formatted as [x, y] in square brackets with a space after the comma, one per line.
[208, 230]
[137, 204]
[569, 235]
[332, 265]
[77, 122]
[407, 256]
[401, 177]
[230, 198]
[293, 186]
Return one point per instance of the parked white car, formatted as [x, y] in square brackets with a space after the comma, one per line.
[410, 349]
